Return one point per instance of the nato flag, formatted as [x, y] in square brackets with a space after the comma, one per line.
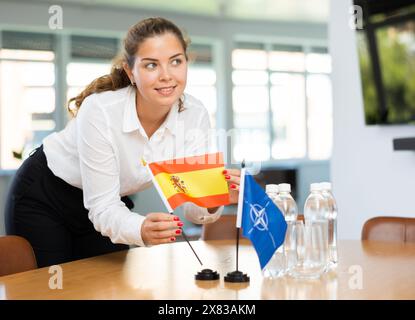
[262, 222]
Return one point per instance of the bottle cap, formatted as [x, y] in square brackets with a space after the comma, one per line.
[269, 188]
[315, 187]
[284, 187]
[325, 186]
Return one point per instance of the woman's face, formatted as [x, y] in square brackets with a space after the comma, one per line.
[160, 70]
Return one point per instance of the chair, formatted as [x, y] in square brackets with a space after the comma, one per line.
[389, 229]
[222, 229]
[16, 255]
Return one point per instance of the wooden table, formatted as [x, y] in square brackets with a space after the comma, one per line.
[367, 270]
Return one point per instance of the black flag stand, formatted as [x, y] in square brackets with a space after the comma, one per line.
[205, 274]
[237, 276]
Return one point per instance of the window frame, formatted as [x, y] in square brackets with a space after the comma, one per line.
[53, 61]
[267, 44]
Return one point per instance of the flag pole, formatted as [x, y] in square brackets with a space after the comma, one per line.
[238, 276]
[167, 204]
[239, 211]
[237, 248]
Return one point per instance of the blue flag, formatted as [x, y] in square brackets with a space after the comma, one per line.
[262, 222]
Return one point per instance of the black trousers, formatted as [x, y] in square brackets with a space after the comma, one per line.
[50, 214]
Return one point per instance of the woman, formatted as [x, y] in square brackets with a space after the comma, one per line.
[69, 198]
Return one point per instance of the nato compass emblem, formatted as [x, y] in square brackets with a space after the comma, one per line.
[259, 219]
[178, 184]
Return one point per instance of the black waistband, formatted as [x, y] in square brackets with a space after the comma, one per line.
[39, 156]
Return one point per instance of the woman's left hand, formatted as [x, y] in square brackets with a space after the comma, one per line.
[232, 176]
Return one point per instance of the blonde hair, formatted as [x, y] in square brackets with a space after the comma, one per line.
[118, 78]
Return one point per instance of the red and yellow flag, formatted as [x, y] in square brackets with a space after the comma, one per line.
[197, 179]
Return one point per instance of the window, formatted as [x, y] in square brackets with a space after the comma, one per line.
[250, 96]
[27, 95]
[201, 78]
[80, 74]
[281, 102]
[90, 58]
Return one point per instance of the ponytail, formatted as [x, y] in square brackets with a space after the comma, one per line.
[117, 79]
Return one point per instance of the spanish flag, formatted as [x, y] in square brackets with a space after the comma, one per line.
[197, 179]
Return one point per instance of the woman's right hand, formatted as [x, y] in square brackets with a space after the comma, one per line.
[159, 227]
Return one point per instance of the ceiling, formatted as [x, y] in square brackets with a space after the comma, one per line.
[310, 11]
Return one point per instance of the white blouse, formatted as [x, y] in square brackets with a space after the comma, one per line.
[99, 151]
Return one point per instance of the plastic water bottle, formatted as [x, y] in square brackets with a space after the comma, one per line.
[316, 213]
[276, 265]
[287, 203]
[332, 222]
[290, 210]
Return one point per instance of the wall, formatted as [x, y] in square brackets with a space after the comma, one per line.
[369, 178]
[308, 173]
